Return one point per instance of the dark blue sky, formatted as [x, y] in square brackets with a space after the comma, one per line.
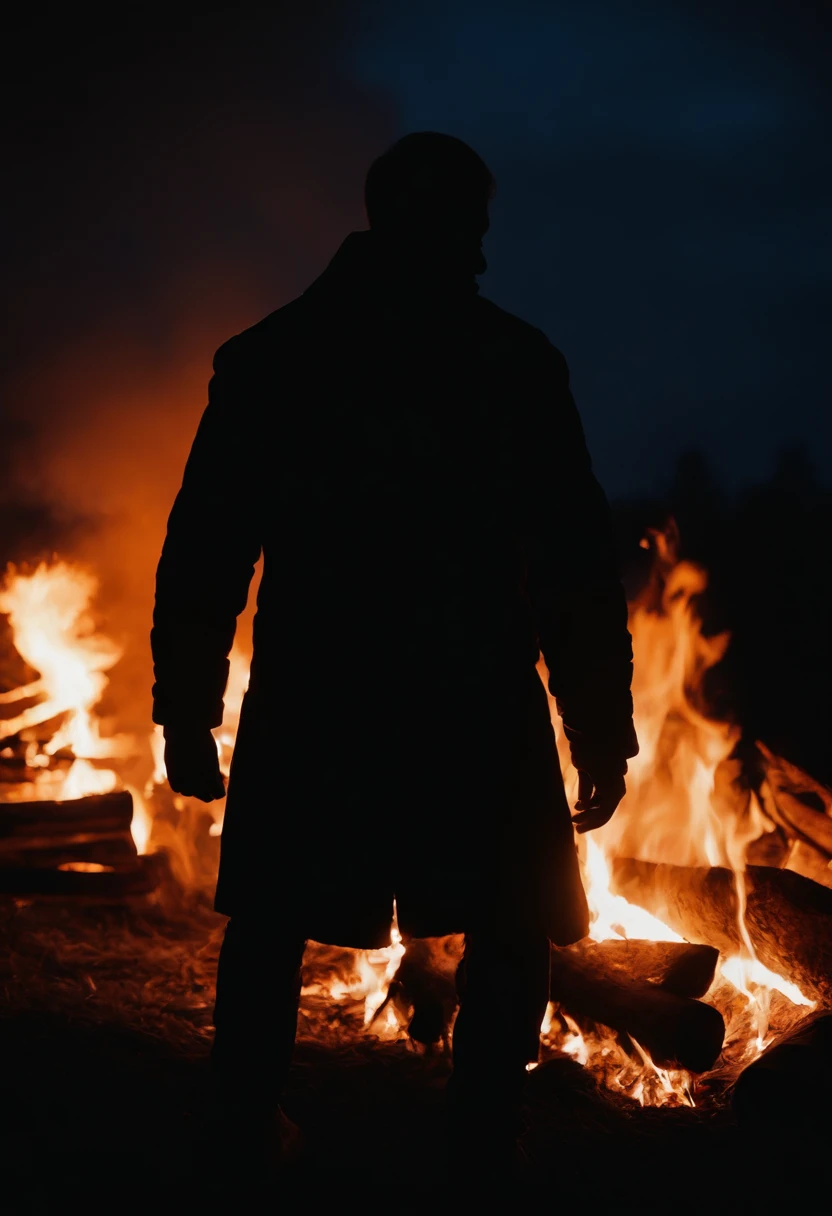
[663, 210]
[663, 206]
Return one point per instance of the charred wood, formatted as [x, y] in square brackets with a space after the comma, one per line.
[799, 820]
[788, 1086]
[138, 879]
[789, 917]
[677, 1032]
[771, 848]
[100, 813]
[113, 849]
[47, 834]
[789, 776]
[692, 971]
[804, 859]
[798, 803]
[423, 990]
[677, 967]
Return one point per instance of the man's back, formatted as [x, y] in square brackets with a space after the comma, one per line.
[393, 448]
[408, 459]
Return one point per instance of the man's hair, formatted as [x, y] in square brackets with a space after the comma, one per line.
[428, 181]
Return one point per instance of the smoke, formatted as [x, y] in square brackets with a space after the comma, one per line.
[175, 180]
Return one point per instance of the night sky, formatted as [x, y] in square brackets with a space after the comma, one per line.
[662, 212]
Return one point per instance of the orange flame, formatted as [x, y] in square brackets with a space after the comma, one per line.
[673, 810]
[53, 631]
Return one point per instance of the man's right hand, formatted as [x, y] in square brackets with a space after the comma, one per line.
[599, 793]
[192, 763]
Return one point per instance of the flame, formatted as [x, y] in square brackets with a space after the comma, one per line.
[226, 735]
[239, 664]
[141, 825]
[48, 611]
[673, 1084]
[361, 978]
[157, 750]
[390, 956]
[612, 916]
[668, 813]
[53, 631]
[573, 1044]
[367, 981]
[675, 809]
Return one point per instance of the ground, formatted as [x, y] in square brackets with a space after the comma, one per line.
[105, 1025]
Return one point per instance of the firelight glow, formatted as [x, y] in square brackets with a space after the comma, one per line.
[675, 809]
[49, 614]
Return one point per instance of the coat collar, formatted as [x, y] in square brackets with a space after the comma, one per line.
[373, 267]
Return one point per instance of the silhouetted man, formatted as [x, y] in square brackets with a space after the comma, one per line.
[409, 460]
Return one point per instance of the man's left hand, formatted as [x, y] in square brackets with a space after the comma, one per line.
[192, 763]
[599, 793]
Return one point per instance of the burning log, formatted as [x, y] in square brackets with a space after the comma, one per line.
[677, 1032]
[789, 1084]
[89, 880]
[46, 835]
[803, 822]
[801, 809]
[108, 849]
[83, 846]
[110, 811]
[677, 967]
[97, 813]
[788, 917]
[810, 862]
[423, 990]
[800, 805]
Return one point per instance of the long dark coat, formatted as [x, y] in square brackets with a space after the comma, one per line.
[409, 460]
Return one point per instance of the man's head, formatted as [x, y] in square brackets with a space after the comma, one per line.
[431, 190]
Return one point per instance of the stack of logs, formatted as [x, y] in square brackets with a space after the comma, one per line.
[646, 991]
[643, 990]
[79, 847]
[788, 900]
[650, 991]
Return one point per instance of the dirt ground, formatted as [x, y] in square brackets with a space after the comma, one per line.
[105, 1028]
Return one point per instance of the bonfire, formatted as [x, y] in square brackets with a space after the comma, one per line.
[708, 889]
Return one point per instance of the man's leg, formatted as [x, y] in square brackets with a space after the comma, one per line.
[504, 989]
[256, 1012]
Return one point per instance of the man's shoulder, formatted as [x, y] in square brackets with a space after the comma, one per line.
[506, 332]
[259, 339]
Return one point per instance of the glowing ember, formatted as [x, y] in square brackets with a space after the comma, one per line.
[85, 867]
[673, 1084]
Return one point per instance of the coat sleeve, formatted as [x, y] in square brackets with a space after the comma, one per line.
[573, 582]
[208, 558]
